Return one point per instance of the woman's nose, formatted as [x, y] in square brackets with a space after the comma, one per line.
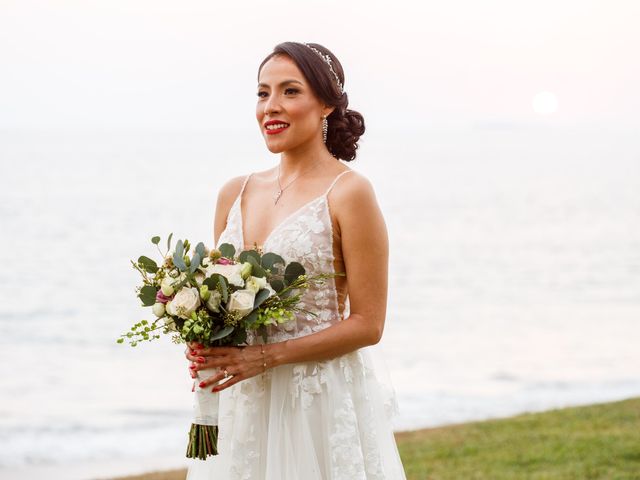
[272, 105]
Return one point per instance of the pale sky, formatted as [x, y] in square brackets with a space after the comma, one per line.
[193, 64]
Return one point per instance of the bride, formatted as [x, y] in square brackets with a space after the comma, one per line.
[309, 403]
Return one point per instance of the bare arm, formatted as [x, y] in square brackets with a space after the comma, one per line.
[365, 250]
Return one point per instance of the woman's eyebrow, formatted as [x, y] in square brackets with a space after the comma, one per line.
[284, 82]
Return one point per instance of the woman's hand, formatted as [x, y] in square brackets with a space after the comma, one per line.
[240, 362]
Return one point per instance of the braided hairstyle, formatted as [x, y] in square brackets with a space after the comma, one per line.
[345, 126]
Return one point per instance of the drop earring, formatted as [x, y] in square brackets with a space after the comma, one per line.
[325, 126]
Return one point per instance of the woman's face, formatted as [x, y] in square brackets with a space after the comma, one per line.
[285, 96]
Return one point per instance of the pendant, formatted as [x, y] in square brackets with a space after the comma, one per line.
[277, 197]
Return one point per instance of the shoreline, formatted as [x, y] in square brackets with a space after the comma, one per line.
[567, 441]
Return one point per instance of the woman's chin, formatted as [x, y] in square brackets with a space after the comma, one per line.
[275, 146]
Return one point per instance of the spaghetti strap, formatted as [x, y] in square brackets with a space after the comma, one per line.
[335, 180]
[239, 197]
[245, 183]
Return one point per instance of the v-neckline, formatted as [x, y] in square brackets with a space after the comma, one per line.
[277, 227]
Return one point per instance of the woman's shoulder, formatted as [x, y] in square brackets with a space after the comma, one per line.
[352, 187]
[230, 188]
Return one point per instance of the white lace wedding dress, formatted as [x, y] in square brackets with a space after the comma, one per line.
[328, 420]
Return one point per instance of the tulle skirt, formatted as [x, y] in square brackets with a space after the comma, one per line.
[329, 420]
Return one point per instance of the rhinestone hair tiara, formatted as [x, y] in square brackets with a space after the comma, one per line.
[327, 59]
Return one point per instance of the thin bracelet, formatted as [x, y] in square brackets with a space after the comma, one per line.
[264, 363]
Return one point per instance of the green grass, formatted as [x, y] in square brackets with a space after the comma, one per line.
[599, 441]
[580, 443]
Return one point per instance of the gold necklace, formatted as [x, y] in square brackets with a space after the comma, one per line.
[280, 189]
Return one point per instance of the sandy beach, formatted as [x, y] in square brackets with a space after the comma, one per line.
[179, 474]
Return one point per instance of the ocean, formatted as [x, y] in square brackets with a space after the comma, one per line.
[514, 279]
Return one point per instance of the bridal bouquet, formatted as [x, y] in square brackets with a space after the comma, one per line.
[214, 298]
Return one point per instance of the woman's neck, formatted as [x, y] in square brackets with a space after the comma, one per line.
[296, 162]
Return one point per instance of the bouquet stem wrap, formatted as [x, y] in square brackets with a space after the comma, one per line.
[203, 436]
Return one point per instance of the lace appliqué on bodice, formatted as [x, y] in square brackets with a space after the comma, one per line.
[305, 236]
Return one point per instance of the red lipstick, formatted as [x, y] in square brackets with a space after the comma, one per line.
[273, 131]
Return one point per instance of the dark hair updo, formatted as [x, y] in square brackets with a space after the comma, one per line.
[345, 127]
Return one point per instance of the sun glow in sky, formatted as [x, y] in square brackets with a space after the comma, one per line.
[170, 64]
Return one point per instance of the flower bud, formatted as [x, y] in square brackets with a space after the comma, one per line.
[215, 254]
[198, 277]
[187, 260]
[204, 293]
[167, 286]
[213, 303]
[158, 309]
[245, 272]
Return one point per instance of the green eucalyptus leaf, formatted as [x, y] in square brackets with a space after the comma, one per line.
[270, 259]
[261, 296]
[195, 262]
[223, 287]
[221, 334]
[257, 270]
[155, 240]
[180, 248]
[249, 253]
[212, 281]
[148, 264]
[200, 250]
[178, 260]
[148, 295]
[292, 272]
[227, 250]
[277, 285]
[219, 282]
[250, 319]
[169, 241]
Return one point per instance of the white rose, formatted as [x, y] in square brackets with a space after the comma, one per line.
[231, 272]
[186, 301]
[241, 301]
[213, 302]
[158, 309]
[255, 283]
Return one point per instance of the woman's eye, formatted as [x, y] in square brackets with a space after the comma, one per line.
[292, 90]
